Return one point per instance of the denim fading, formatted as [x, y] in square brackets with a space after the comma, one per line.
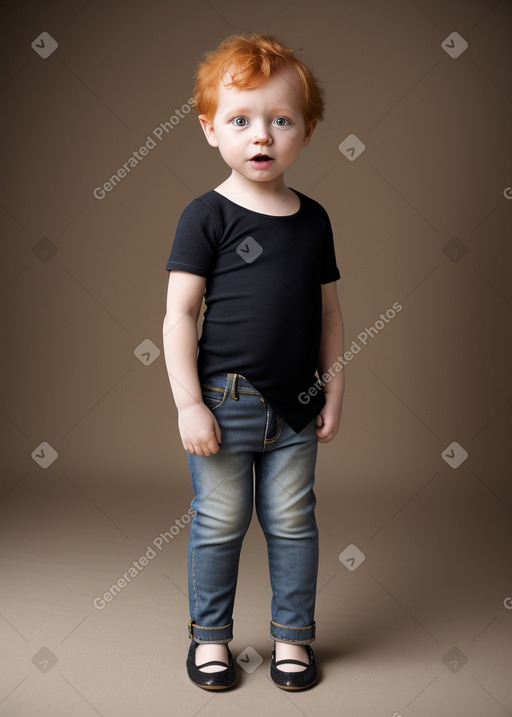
[261, 460]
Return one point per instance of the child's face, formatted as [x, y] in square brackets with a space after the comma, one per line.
[266, 120]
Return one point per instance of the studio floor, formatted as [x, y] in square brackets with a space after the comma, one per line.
[405, 627]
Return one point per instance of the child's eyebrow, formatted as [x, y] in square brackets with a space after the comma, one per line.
[235, 111]
[274, 111]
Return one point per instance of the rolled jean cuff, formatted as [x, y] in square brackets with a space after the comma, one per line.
[295, 635]
[224, 633]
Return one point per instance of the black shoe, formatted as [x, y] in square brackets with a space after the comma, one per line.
[221, 680]
[294, 680]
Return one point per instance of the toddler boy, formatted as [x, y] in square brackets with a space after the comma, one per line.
[262, 255]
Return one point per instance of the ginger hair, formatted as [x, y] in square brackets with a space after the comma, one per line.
[250, 59]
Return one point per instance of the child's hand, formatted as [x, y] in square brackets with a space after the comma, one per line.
[200, 433]
[328, 420]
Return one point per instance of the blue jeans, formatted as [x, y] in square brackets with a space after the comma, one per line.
[260, 456]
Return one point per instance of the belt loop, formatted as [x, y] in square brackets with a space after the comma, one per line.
[234, 393]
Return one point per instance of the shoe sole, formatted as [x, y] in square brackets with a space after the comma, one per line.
[288, 688]
[213, 687]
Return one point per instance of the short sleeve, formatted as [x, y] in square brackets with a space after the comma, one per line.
[195, 243]
[329, 270]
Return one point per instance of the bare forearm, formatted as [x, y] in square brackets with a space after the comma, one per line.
[331, 351]
[180, 350]
[200, 433]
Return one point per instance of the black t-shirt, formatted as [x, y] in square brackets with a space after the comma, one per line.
[263, 295]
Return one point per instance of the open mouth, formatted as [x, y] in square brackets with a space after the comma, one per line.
[261, 161]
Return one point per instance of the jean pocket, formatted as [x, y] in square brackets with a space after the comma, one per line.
[214, 396]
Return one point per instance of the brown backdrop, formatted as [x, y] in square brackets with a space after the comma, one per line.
[417, 482]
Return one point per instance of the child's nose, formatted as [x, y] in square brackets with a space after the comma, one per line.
[261, 135]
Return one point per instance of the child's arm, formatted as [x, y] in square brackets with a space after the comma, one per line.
[331, 347]
[199, 430]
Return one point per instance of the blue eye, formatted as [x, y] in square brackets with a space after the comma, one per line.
[239, 121]
[281, 121]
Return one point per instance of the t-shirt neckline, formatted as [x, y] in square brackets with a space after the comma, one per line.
[261, 214]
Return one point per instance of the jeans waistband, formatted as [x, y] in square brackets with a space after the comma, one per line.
[235, 384]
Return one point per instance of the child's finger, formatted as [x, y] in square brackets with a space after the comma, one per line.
[212, 447]
[324, 431]
[321, 432]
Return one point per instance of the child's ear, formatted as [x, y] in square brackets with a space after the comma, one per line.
[308, 133]
[208, 130]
